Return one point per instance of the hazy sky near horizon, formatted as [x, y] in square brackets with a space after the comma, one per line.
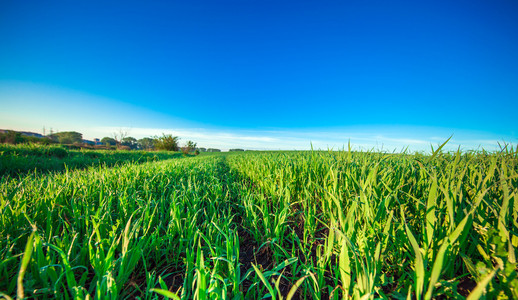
[265, 74]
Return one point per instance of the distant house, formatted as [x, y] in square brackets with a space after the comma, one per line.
[88, 142]
[24, 133]
[95, 142]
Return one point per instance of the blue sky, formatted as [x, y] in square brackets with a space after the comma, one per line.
[265, 74]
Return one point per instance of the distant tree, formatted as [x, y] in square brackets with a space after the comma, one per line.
[130, 142]
[146, 143]
[16, 137]
[67, 137]
[232, 150]
[119, 135]
[11, 137]
[108, 141]
[167, 142]
[189, 147]
[202, 149]
[39, 140]
[213, 150]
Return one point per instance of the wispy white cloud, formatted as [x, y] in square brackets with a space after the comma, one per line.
[390, 139]
[204, 137]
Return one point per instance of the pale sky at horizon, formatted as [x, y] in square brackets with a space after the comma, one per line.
[98, 117]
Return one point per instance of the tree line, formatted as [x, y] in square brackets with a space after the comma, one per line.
[166, 142]
[119, 140]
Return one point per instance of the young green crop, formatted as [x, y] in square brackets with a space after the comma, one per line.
[248, 225]
[17, 160]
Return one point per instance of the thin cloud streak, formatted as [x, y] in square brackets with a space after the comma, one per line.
[336, 139]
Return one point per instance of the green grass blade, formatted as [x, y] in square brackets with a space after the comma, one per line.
[265, 282]
[165, 293]
[480, 289]
[23, 267]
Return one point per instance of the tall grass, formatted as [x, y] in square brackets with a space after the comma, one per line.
[24, 158]
[284, 225]
[373, 224]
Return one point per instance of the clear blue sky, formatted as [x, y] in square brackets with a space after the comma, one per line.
[344, 67]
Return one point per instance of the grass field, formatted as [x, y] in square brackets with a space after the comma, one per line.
[24, 158]
[248, 225]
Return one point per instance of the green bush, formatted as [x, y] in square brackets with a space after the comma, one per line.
[58, 152]
[167, 142]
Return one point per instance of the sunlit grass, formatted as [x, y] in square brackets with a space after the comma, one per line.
[301, 225]
[24, 158]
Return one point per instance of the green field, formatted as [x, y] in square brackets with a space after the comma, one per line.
[248, 225]
[24, 158]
